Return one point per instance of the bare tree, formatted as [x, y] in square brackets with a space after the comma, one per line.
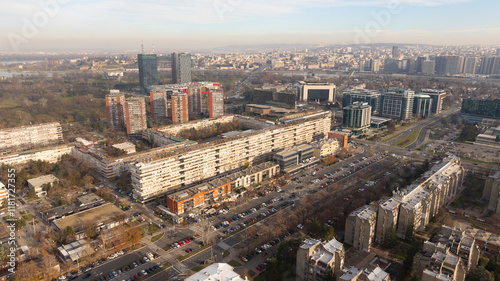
[205, 231]
[27, 271]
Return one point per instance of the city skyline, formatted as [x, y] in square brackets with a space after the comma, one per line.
[194, 25]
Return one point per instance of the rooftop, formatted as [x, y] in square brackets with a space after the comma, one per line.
[97, 215]
[39, 181]
[216, 272]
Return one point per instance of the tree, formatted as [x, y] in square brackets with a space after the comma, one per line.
[133, 235]
[205, 231]
[480, 274]
[390, 239]
[330, 159]
[329, 275]
[70, 234]
[391, 127]
[49, 265]
[32, 193]
[27, 271]
[157, 199]
[497, 139]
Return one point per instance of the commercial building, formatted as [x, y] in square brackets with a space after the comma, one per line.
[180, 111]
[395, 52]
[181, 68]
[75, 251]
[148, 71]
[397, 103]
[379, 122]
[491, 192]
[114, 110]
[159, 104]
[38, 183]
[357, 116]
[265, 109]
[325, 147]
[292, 159]
[490, 137]
[316, 91]
[105, 217]
[215, 104]
[437, 97]
[213, 192]
[135, 115]
[216, 272]
[486, 112]
[362, 95]
[344, 137]
[28, 137]
[360, 228]
[422, 106]
[273, 97]
[159, 173]
[315, 258]
[51, 155]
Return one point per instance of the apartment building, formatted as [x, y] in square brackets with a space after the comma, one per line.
[162, 172]
[491, 192]
[27, 137]
[360, 227]
[325, 147]
[51, 155]
[135, 115]
[412, 208]
[4, 193]
[461, 245]
[375, 274]
[159, 104]
[114, 109]
[437, 262]
[315, 258]
[180, 111]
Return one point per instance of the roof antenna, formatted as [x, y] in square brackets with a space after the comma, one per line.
[153, 48]
[142, 46]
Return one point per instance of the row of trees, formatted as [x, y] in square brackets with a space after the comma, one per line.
[207, 132]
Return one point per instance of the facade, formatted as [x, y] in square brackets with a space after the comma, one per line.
[180, 111]
[128, 147]
[449, 65]
[460, 245]
[181, 68]
[135, 115]
[214, 191]
[362, 95]
[344, 137]
[114, 110]
[159, 104]
[316, 91]
[397, 103]
[357, 116]
[216, 104]
[422, 106]
[360, 228]
[470, 65]
[325, 147]
[490, 65]
[38, 183]
[481, 108]
[157, 174]
[51, 155]
[290, 159]
[489, 137]
[315, 258]
[428, 67]
[412, 208]
[491, 192]
[4, 193]
[436, 262]
[437, 97]
[395, 52]
[216, 272]
[148, 71]
[26, 137]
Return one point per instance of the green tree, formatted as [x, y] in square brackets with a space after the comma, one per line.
[157, 199]
[69, 230]
[329, 275]
[32, 193]
[390, 239]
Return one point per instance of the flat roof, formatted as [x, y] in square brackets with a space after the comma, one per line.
[39, 181]
[95, 215]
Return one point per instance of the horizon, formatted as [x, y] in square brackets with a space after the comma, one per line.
[64, 25]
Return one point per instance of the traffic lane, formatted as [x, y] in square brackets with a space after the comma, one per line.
[167, 274]
[173, 237]
[203, 256]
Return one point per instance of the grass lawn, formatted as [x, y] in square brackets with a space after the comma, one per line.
[156, 237]
[198, 268]
[234, 263]
[478, 161]
[411, 138]
[393, 137]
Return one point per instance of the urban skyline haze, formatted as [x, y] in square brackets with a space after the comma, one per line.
[204, 24]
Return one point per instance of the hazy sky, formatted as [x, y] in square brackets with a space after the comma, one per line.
[29, 25]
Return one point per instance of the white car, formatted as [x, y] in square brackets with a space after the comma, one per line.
[144, 272]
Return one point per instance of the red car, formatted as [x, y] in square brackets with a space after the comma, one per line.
[259, 268]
